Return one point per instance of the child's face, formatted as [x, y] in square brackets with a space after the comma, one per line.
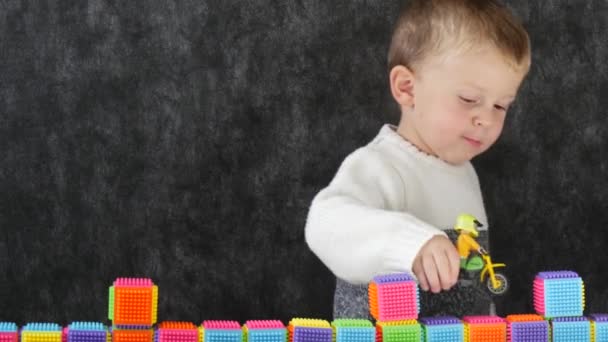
[460, 102]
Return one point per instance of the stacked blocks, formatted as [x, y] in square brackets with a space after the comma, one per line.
[132, 308]
[133, 302]
[568, 329]
[558, 294]
[442, 329]
[86, 332]
[132, 334]
[222, 331]
[309, 330]
[394, 297]
[399, 331]
[8, 332]
[176, 332]
[353, 330]
[485, 329]
[527, 328]
[41, 332]
[599, 327]
[395, 303]
[264, 331]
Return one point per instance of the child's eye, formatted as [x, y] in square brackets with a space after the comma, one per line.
[467, 100]
[501, 108]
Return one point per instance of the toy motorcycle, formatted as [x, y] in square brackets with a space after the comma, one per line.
[496, 282]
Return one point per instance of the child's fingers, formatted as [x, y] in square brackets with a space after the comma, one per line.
[444, 270]
[431, 272]
[454, 259]
[419, 272]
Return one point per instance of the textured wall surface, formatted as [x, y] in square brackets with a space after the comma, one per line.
[184, 140]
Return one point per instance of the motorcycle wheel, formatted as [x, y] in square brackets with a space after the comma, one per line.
[502, 286]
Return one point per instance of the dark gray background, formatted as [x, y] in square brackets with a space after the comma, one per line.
[184, 140]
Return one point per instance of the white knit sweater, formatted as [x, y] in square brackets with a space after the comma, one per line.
[385, 202]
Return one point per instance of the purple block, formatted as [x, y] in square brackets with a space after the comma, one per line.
[570, 319]
[311, 334]
[529, 331]
[393, 278]
[557, 274]
[599, 317]
[440, 320]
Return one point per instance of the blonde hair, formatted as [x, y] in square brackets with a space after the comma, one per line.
[430, 27]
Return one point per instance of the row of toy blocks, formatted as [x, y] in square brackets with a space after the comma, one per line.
[394, 297]
[558, 294]
[133, 302]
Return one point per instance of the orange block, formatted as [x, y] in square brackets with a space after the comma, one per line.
[132, 335]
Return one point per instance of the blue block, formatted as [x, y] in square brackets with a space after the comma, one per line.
[570, 329]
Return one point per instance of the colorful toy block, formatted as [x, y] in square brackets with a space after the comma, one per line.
[568, 329]
[176, 332]
[86, 332]
[599, 327]
[132, 334]
[399, 331]
[353, 330]
[41, 332]
[442, 329]
[394, 297]
[264, 331]
[485, 329]
[309, 330]
[527, 328]
[133, 301]
[9, 332]
[558, 294]
[222, 331]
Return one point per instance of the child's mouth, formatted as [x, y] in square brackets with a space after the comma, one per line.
[473, 142]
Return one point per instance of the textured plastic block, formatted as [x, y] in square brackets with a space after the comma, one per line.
[170, 331]
[353, 330]
[558, 294]
[222, 331]
[398, 331]
[442, 329]
[9, 332]
[86, 332]
[485, 328]
[599, 327]
[133, 334]
[41, 332]
[309, 330]
[133, 301]
[568, 329]
[264, 331]
[527, 327]
[394, 297]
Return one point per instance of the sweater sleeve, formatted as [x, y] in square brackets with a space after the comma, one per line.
[354, 225]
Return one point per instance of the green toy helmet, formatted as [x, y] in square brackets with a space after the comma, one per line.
[468, 223]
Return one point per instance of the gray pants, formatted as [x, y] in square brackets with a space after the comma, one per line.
[351, 301]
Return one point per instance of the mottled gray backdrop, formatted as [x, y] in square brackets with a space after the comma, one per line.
[184, 140]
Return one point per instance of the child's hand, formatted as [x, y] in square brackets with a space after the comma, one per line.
[437, 265]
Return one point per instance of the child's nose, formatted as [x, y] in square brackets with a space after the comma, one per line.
[483, 117]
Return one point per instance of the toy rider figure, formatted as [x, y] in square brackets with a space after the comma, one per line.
[466, 226]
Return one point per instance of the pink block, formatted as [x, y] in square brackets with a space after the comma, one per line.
[228, 325]
[9, 337]
[483, 319]
[133, 282]
[265, 324]
[397, 301]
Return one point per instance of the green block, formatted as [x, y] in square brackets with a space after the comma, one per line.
[351, 323]
[402, 333]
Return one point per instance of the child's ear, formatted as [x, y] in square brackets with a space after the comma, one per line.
[402, 85]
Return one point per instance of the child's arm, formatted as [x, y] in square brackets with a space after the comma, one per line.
[354, 227]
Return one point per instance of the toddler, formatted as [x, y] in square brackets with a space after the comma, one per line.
[455, 67]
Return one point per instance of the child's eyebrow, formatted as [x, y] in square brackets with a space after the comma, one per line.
[510, 97]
